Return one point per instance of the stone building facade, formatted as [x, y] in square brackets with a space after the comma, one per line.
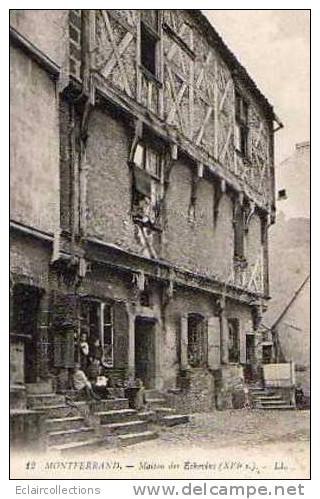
[142, 190]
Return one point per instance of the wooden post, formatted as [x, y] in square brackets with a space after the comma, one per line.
[214, 342]
[131, 349]
[184, 364]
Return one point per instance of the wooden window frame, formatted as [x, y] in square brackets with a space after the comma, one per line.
[156, 181]
[148, 31]
[200, 341]
[242, 125]
[100, 311]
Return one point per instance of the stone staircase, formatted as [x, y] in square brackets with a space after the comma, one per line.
[121, 425]
[164, 415]
[269, 399]
[74, 426]
[67, 427]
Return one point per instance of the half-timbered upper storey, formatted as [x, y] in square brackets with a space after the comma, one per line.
[171, 68]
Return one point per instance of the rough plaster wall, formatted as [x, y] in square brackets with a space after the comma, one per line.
[29, 258]
[223, 239]
[105, 284]
[109, 182]
[199, 245]
[253, 242]
[46, 29]
[178, 227]
[34, 145]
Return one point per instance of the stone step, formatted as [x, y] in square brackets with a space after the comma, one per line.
[115, 416]
[112, 405]
[70, 436]
[136, 426]
[268, 397]
[174, 419]
[44, 399]
[146, 415]
[40, 387]
[152, 393]
[258, 393]
[163, 411]
[117, 392]
[63, 424]
[272, 402]
[59, 411]
[156, 402]
[136, 438]
[78, 448]
[278, 407]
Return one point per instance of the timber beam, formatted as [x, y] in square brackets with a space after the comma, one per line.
[136, 111]
[128, 262]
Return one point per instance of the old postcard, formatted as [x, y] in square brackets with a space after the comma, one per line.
[159, 238]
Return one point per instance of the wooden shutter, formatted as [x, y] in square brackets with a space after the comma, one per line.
[121, 335]
[242, 346]
[214, 342]
[184, 342]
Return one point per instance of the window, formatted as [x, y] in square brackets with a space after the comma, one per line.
[234, 340]
[147, 184]
[149, 41]
[282, 194]
[241, 132]
[197, 340]
[239, 232]
[96, 326]
[107, 339]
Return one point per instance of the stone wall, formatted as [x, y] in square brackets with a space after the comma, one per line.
[196, 394]
[34, 135]
[47, 30]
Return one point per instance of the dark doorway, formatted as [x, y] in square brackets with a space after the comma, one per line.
[25, 305]
[267, 354]
[250, 349]
[145, 351]
[234, 340]
[249, 370]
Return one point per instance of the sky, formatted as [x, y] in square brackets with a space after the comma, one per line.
[273, 46]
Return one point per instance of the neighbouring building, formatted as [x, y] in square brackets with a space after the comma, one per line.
[288, 313]
[142, 192]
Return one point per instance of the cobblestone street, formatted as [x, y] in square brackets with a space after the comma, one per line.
[241, 428]
[264, 444]
[234, 444]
